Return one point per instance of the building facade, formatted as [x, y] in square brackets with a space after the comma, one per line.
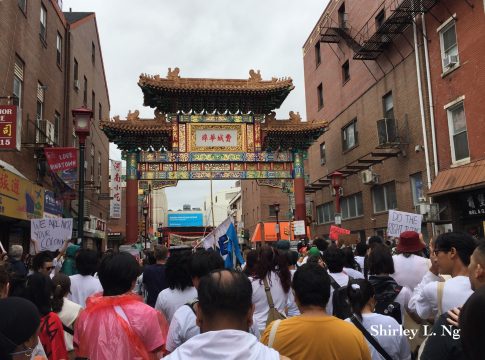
[221, 208]
[363, 74]
[458, 84]
[38, 43]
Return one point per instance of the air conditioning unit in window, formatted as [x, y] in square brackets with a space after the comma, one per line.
[450, 61]
[45, 133]
[369, 178]
[76, 84]
[387, 133]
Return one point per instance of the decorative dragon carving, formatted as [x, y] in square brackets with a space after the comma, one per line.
[270, 117]
[133, 115]
[159, 116]
[173, 74]
[116, 118]
[254, 75]
[295, 117]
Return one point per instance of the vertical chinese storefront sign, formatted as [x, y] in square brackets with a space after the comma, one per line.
[115, 192]
[10, 127]
[20, 198]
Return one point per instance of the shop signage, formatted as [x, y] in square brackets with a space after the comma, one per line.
[50, 234]
[52, 206]
[10, 127]
[474, 203]
[115, 192]
[299, 227]
[400, 221]
[63, 163]
[20, 198]
[336, 231]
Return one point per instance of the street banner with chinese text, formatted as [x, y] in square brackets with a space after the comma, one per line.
[115, 191]
[400, 221]
[20, 198]
[63, 163]
[10, 127]
[336, 231]
[50, 234]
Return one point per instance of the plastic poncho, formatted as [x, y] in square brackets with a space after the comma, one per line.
[69, 265]
[119, 327]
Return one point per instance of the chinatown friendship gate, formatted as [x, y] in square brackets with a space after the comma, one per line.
[219, 129]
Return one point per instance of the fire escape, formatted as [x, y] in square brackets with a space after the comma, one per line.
[375, 36]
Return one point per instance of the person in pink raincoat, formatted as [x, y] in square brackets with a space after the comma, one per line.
[117, 324]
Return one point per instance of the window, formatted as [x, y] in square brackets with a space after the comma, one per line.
[43, 23]
[272, 211]
[93, 52]
[416, 187]
[458, 132]
[345, 72]
[380, 18]
[323, 155]
[23, 5]
[93, 151]
[449, 46]
[320, 96]
[100, 176]
[100, 111]
[351, 206]
[57, 127]
[384, 197]
[18, 79]
[388, 106]
[39, 114]
[318, 56]
[93, 103]
[85, 95]
[342, 17]
[59, 49]
[349, 136]
[325, 213]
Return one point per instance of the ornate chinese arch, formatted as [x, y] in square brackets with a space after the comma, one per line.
[212, 129]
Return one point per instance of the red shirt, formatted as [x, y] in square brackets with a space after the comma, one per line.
[52, 337]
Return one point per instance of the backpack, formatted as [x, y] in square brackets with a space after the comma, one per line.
[389, 306]
[340, 300]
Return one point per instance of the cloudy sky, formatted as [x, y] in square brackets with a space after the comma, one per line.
[211, 38]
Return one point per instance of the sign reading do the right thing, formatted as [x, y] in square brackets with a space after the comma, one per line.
[400, 221]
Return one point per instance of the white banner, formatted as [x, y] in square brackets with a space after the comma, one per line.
[50, 234]
[400, 221]
[115, 191]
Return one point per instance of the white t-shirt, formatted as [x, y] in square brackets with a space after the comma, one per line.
[354, 274]
[360, 261]
[261, 307]
[168, 301]
[223, 345]
[83, 287]
[68, 314]
[388, 334]
[424, 300]
[291, 305]
[410, 271]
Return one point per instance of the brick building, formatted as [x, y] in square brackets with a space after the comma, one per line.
[39, 47]
[458, 85]
[360, 65]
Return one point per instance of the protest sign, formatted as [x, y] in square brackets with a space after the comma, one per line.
[400, 221]
[299, 227]
[335, 231]
[50, 234]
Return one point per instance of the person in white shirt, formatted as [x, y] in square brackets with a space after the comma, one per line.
[224, 315]
[84, 284]
[381, 265]
[359, 255]
[450, 256]
[385, 330]
[183, 325]
[180, 288]
[410, 256]
[272, 267]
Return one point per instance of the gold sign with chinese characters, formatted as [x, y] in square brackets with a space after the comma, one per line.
[217, 137]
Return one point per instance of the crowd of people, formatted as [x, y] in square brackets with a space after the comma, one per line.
[371, 300]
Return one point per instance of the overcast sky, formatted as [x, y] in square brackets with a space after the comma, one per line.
[211, 38]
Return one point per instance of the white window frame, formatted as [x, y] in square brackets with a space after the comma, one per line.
[449, 109]
[413, 181]
[43, 21]
[345, 129]
[59, 49]
[323, 210]
[384, 187]
[351, 200]
[443, 28]
[323, 159]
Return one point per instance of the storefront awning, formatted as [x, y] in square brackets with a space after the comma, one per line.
[270, 232]
[464, 177]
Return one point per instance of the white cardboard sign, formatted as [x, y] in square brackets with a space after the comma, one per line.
[299, 227]
[400, 221]
[50, 234]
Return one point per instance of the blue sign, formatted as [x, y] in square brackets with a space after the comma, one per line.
[51, 204]
[185, 219]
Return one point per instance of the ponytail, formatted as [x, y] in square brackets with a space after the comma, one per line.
[359, 292]
[62, 286]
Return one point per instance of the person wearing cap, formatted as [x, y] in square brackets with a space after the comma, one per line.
[410, 256]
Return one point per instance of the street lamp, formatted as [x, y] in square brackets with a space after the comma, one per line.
[276, 207]
[82, 121]
[145, 214]
[337, 179]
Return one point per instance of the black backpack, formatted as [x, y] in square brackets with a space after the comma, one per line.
[389, 306]
[340, 300]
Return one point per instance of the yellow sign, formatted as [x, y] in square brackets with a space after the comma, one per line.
[20, 198]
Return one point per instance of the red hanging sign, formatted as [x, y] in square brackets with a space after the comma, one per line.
[8, 127]
[61, 159]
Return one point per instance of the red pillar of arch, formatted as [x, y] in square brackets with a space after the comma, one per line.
[299, 186]
[131, 198]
